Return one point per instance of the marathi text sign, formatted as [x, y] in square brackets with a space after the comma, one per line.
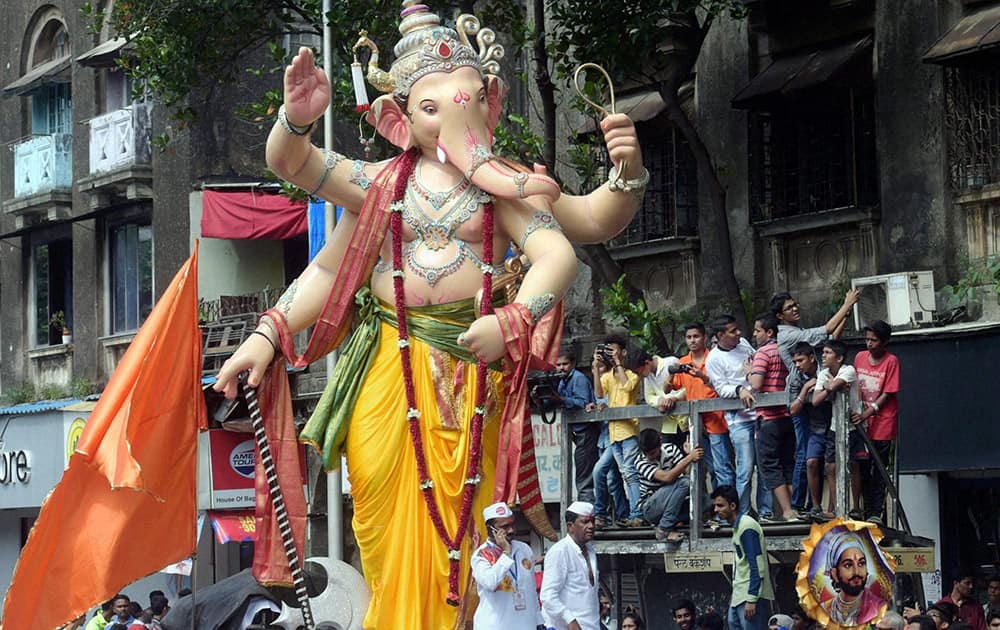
[693, 562]
[913, 559]
[548, 442]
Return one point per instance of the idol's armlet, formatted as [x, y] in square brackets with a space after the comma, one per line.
[553, 262]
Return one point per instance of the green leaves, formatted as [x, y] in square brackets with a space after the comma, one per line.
[644, 326]
[979, 275]
[514, 140]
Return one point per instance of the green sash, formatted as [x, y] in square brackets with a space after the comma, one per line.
[437, 325]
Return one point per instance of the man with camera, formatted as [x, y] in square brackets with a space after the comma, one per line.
[691, 377]
[621, 386]
[572, 390]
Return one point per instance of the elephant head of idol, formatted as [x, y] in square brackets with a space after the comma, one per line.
[443, 97]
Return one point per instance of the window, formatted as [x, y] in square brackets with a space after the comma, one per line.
[814, 153]
[131, 275]
[53, 43]
[119, 91]
[51, 110]
[52, 264]
[972, 116]
[670, 207]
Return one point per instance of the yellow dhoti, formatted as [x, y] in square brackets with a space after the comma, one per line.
[404, 559]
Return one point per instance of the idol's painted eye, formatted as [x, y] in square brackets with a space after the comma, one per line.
[430, 110]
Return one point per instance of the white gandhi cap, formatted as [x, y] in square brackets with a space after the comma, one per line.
[497, 510]
[581, 508]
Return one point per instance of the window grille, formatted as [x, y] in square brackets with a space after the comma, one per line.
[972, 117]
[670, 206]
[813, 154]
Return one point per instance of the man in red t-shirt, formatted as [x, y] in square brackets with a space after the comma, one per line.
[878, 384]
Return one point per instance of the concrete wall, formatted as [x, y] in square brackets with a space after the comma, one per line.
[916, 231]
[10, 542]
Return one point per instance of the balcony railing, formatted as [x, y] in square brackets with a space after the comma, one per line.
[119, 139]
[43, 164]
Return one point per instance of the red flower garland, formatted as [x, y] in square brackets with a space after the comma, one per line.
[453, 543]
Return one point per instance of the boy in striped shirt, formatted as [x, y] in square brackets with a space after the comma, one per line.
[664, 485]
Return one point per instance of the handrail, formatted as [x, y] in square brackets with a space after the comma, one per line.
[691, 408]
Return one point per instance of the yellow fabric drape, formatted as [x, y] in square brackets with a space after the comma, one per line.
[404, 560]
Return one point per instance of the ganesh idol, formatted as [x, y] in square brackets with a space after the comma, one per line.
[428, 398]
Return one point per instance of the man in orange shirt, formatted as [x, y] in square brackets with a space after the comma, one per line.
[690, 374]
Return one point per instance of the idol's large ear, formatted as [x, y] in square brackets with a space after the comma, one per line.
[391, 121]
[496, 91]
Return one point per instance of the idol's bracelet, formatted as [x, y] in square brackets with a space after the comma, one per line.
[620, 184]
[292, 128]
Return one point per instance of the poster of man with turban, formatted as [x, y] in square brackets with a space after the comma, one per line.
[845, 579]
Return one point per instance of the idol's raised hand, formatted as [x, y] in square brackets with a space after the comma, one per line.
[307, 89]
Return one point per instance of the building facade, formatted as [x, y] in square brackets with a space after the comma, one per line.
[852, 138]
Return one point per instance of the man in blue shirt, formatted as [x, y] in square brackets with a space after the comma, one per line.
[120, 606]
[574, 391]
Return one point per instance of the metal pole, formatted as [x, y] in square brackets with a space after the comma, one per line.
[843, 475]
[697, 482]
[334, 498]
[194, 585]
[565, 470]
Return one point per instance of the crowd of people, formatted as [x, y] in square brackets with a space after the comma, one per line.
[122, 613]
[780, 459]
[569, 594]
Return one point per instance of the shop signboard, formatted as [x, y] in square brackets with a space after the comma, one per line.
[233, 460]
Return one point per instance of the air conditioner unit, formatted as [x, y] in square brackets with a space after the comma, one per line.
[903, 299]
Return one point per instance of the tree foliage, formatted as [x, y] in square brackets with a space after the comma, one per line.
[180, 46]
[624, 37]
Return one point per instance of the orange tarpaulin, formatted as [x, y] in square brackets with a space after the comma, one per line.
[125, 506]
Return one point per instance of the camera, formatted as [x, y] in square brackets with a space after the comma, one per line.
[604, 353]
[679, 368]
[542, 385]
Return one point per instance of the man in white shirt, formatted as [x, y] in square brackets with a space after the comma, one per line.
[505, 579]
[728, 366]
[570, 584]
[657, 374]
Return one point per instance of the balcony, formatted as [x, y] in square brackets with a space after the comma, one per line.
[43, 164]
[120, 157]
[43, 179]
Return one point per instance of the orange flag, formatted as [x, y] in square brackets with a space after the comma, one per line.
[126, 506]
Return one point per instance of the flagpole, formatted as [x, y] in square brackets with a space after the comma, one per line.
[194, 584]
[334, 500]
